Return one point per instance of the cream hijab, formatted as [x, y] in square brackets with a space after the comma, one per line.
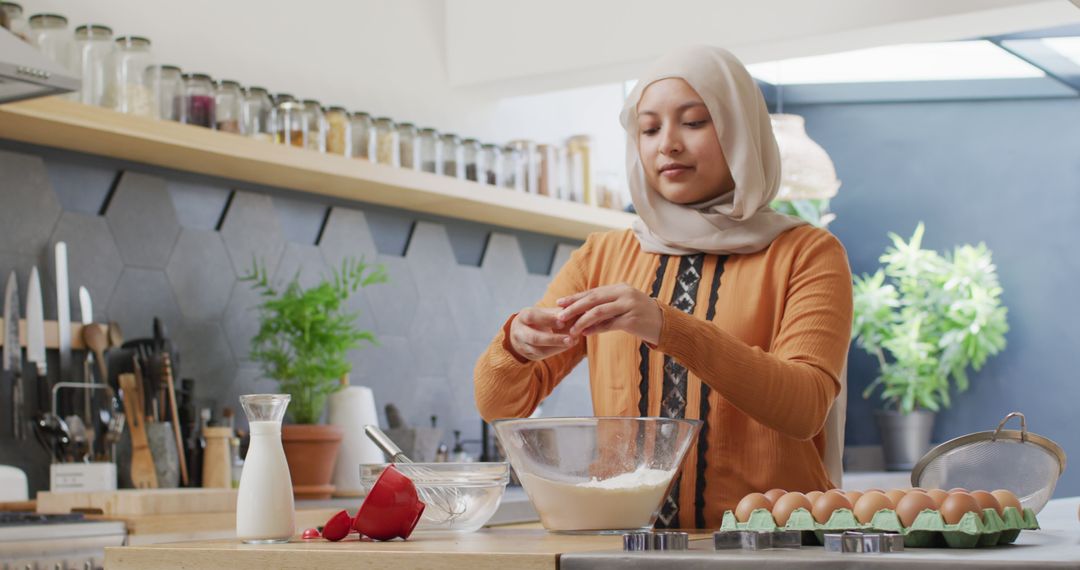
[739, 221]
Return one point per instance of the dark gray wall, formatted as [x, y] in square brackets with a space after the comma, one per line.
[1003, 172]
[148, 242]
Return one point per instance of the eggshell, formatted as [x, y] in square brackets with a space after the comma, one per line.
[987, 501]
[938, 496]
[895, 495]
[749, 504]
[813, 496]
[827, 503]
[874, 489]
[870, 503]
[787, 504]
[911, 505]
[1007, 499]
[958, 490]
[957, 505]
[920, 489]
[774, 494]
[853, 496]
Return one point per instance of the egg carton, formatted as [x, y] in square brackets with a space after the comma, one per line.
[928, 530]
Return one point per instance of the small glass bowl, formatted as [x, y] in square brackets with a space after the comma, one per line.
[460, 497]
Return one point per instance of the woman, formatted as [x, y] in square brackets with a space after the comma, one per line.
[712, 307]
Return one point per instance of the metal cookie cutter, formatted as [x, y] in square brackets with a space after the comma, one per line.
[642, 541]
[756, 540]
[867, 542]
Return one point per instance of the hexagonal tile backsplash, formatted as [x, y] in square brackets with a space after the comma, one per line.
[176, 249]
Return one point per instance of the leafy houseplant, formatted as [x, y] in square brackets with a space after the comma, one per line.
[927, 317]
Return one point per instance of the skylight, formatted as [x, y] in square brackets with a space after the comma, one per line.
[1067, 46]
[979, 59]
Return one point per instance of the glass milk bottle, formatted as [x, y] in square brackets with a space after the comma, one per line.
[264, 507]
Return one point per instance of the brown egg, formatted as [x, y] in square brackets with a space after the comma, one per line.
[1007, 499]
[895, 495]
[988, 501]
[957, 505]
[870, 503]
[774, 494]
[853, 496]
[786, 504]
[813, 496]
[749, 504]
[911, 505]
[827, 503]
[882, 491]
[920, 489]
[958, 490]
[938, 496]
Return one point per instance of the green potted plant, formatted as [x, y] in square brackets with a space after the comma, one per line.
[303, 339]
[927, 318]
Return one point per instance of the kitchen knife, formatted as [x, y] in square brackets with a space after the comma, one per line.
[63, 312]
[13, 354]
[35, 338]
[86, 310]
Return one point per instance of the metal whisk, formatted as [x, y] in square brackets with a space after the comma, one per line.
[444, 501]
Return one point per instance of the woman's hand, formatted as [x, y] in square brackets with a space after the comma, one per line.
[612, 307]
[536, 333]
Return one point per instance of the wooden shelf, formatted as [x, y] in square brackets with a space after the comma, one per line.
[59, 123]
[52, 334]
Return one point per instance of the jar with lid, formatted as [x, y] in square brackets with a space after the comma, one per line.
[430, 150]
[167, 84]
[200, 107]
[387, 148]
[290, 122]
[473, 159]
[513, 169]
[492, 164]
[131, 92]
[316, 124]
[548, 167]
[11, 17]
[408, 143]
[338, 131]
[580, 167]
[530, 161]
[363, 135]
[255, 114]
[93, 46]
[228, 106]
[453, 156]
[49, 33]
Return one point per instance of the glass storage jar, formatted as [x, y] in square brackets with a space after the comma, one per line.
[167, 84]
[199, 105]
[316, 125]
[492, 164]
[49, 33]
[548, 168]
[453, 156]
[291, 123]
[387, 149]
[514, 168]
[580, 168]
[12, 18]
[338, 132]
[473, 159]
[430, 150]
[256, 113]
[131, 92]
[363, 135]
[228, 106]
[408, 143]
[93, 47]
[530, 161]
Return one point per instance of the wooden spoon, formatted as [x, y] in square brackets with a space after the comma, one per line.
[97, 341]
[116, 337]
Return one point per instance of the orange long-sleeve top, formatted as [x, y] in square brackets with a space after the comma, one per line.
[763, 348]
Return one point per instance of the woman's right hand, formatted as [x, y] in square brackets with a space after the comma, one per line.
[536, 333]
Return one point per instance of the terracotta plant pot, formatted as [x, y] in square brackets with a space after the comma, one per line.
[311, 451]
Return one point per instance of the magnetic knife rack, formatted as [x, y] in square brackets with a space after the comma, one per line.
[52, 334]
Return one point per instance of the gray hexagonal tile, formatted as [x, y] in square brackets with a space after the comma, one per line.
[81, 186]
[198, 206]
[571, 397]
[21, 265]
[386, 369]
[139, 296]
[205, 357]
[30, 207]
[303, 261]
[93, 260]
[346, 234]
[433, 319]
[504, 269]
[143, 220]
[201, 274]
[431, 258]
[563, 251]
[301, 218]
[430, 397]
[248, 379]
[393, 304]
[251, 232]
[532, 291]
[241, 320]
[470, 304]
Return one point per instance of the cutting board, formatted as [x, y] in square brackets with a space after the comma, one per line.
[140, 501]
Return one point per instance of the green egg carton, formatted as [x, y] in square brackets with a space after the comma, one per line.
[928, 530]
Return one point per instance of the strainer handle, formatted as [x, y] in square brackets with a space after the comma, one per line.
[1023, 426]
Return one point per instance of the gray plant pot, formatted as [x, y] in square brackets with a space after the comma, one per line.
[905, 438]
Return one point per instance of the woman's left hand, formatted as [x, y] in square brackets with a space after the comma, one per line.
[612, 307]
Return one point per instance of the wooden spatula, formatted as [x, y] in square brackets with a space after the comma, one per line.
[143, 473]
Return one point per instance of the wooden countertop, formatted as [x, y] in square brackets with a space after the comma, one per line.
[490, 549]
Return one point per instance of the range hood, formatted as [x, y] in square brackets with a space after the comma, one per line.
[26, 73]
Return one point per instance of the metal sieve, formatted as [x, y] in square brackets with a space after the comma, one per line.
[1025, 463]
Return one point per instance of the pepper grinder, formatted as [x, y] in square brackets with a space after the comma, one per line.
[217, 459]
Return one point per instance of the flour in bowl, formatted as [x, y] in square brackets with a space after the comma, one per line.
[626, 501]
